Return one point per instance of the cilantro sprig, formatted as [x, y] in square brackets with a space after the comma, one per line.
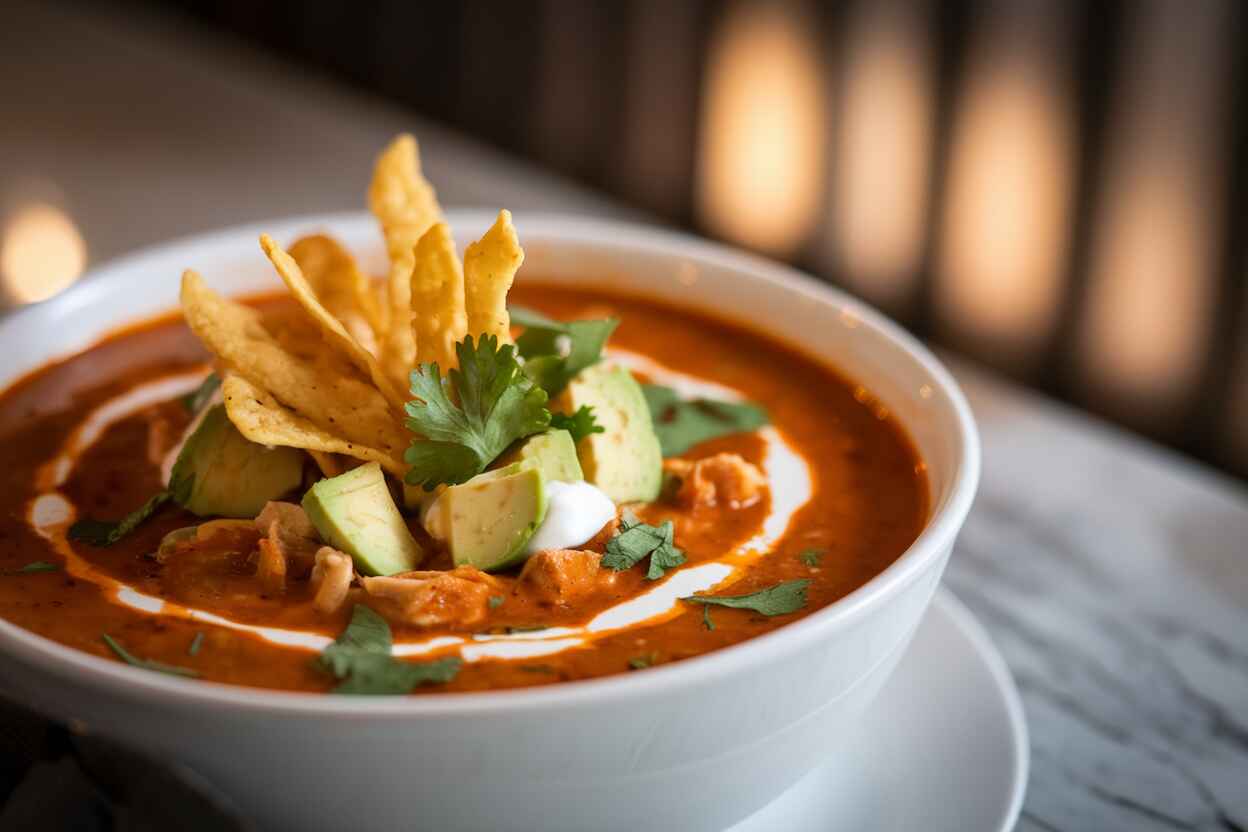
[781, 599]
[471, 415]
[637, 541]
[360, 658]
[580, 424]
[555, 351]
[680, 424]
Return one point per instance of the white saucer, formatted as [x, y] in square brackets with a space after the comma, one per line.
[944, 747]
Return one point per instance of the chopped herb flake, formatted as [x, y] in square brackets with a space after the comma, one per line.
[554, 351]
[811, 557]
[497, 404]
[706, 617]
[638, 540]
[780, 599]
[681, 424]
[642, 662]
[361, 658]
[495, 601]
[197, 644]
[526, 628]
[146, 664]
[36, 567]
[105, 533]
[580, 424]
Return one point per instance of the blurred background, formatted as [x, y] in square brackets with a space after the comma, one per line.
[1055, 189]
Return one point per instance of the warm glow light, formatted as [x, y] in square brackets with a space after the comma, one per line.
[883, 157]
[761, 169]
[41, 253]
[1153, 257]
[1004, 245]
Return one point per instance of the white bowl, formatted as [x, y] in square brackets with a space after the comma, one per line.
[694, 745]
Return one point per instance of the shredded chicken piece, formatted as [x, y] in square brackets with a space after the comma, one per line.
[427, 599]
[331, 578]
[560, 576]
[724, 477]
[287, 527]
[271, 570]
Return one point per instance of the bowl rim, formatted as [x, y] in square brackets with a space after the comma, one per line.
[550, 228]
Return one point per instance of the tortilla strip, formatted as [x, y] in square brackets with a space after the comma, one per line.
[405, 204]
[332, 329]
[438, 298]
[260, 418]
[342, 404]
[490, 267]
[340, 285]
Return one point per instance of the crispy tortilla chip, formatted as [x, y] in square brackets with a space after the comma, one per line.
[259, 417]
[340, 285]
[344, 404]
[438, 298]
[405, 204]
[490, 266]
[333, 330]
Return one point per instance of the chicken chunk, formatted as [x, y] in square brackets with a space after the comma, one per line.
[331, 579]
[271, 568]
[429, 599]
[725, 478]
[562, 576]
[287, 528]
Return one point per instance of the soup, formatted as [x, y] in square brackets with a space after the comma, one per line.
[867, 501]
[575, 485]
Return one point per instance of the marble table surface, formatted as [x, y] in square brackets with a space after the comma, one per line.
[1112, 574]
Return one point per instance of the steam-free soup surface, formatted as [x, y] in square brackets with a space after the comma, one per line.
[868, 502]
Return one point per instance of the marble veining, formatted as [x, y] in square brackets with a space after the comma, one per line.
[1113, 576]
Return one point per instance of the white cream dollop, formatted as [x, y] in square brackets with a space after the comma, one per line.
[575, 512]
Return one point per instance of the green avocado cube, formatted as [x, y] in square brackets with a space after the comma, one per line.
[625, 460]
[221, 473]
[354, 513]
[553, 452]
[489, 519]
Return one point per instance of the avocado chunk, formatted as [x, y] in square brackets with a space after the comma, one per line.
[221, 473]
[553, 452]
[624, 460]
[354, 513]
[489, 519]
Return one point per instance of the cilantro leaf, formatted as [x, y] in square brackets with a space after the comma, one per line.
[812, 557]
[361, 659]
[197, 644]
[34, 568]
[638, 540]
[497, 404]
[198, 398]
[706, 617]
[682, 424]
[495, 601]
[780, 599]
[106, 533]
[147, 664]
[580, 424]
[555, 351]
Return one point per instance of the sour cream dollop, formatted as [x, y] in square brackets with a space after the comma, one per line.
[575, 511]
